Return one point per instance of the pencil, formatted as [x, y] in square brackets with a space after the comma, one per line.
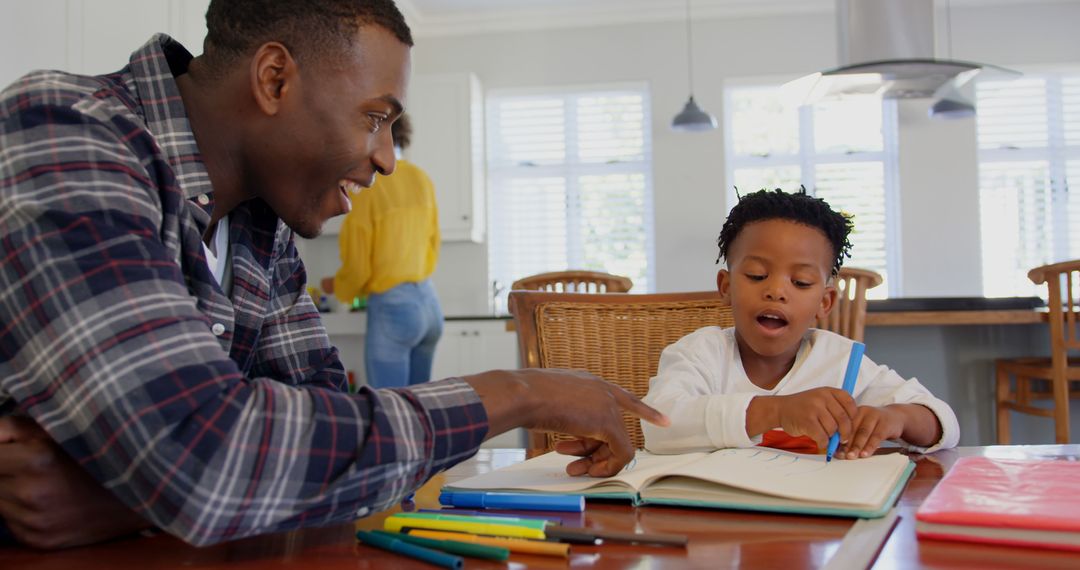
[513, 544]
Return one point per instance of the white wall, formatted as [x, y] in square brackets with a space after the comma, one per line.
[90, 37]
[939, 250]
[939, 221]
[688, 170]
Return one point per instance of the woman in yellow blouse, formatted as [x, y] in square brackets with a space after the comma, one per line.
[389, 245]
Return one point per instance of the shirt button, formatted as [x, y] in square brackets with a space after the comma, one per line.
[362, 512]
[218, 329]
[203, 199]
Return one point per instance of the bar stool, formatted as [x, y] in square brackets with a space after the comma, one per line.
[1042, 378]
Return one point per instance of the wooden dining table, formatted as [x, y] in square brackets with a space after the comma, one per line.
[717, 538]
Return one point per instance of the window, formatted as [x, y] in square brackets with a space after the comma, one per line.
[1029, 151]
[842, 151]
[570, 184]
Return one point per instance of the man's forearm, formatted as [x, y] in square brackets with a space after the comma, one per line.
[506, 398]
[566, 401]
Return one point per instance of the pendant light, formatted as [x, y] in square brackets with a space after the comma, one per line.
[692, 117]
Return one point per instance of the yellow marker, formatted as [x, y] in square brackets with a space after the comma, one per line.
[513, 544]
[471, 525]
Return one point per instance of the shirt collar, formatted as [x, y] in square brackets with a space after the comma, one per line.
[154, 68]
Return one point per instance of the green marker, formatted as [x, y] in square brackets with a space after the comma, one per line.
[453, 546]
[393, 544]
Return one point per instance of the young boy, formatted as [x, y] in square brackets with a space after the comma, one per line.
[728, 387]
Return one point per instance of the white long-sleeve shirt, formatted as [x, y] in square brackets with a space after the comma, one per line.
[702, 387]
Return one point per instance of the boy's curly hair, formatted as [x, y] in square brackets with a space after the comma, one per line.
[797, 207]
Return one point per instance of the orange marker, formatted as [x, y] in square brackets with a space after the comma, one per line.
[514, 544]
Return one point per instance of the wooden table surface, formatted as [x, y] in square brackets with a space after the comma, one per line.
[718, 539]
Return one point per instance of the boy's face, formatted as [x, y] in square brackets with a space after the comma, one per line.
[778, 281]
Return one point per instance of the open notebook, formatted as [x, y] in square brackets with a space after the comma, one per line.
[759, 479]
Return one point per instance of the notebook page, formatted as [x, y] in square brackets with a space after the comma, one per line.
[863, 482]
[547, 473]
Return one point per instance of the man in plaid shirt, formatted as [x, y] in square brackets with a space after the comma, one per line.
[160, 361]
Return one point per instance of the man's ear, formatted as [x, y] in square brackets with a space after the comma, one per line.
[828, 299]
[723, 284]
[273, 73]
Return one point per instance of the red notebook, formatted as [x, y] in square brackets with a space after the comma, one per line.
[1020, 502]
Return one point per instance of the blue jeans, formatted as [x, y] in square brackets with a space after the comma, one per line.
[403, 326]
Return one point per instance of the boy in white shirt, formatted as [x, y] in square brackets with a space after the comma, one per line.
[729, 387]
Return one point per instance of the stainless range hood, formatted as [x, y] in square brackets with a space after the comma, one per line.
[887, 48]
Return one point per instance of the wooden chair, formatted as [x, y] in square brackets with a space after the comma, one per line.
[1042, 378]
[618, 337]
[574, 281]
[848, 315]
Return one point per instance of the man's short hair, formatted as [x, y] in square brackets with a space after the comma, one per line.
[308, 28]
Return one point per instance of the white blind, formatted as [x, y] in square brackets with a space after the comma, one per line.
[570, 184]
[841, 151]
[1029, 152]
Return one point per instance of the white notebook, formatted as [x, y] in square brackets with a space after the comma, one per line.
[756, 478]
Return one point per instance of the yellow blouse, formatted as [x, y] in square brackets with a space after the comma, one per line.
[391, 236]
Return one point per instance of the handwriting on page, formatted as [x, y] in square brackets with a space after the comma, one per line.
[785, 464]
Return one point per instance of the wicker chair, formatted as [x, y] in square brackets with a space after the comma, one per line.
[615, 336]
[848, 315]
[574, 281]
[1045, 378]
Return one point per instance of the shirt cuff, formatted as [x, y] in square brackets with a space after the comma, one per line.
[457, 421]
[726, 420]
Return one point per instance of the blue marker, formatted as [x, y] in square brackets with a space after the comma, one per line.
[513, 501]
[850, 375]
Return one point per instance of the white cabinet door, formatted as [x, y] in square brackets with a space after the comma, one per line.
[468, 347]
[448, 143]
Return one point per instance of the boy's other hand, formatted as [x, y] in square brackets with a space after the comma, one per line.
[566, 401]
[817, 413]
[871, 426]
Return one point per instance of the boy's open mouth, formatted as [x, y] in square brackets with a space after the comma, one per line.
[772, 321]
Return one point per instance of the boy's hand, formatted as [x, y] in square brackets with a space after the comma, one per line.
[871, 427]
[816, 413]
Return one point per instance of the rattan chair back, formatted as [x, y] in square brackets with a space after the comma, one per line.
[615, 336]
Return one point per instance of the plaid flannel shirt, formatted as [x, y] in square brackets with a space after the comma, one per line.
[213, 417]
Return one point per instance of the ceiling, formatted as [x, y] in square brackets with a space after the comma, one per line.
[462, 17]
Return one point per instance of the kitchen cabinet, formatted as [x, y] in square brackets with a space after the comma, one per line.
[447, 111]
[470, 346]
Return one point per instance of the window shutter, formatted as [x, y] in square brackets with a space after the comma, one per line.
[1029, 152]
[837, 150]
[570, 184]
